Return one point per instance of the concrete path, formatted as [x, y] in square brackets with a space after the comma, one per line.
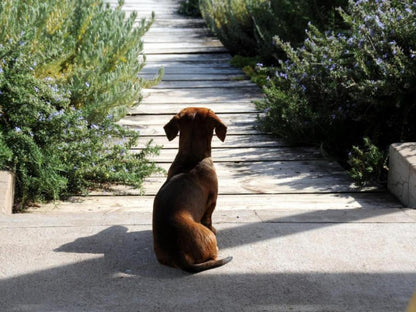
[302, 238]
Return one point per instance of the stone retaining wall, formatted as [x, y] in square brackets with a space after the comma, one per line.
[6, 192]
[402, 172]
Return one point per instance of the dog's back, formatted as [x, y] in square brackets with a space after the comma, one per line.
[182, 231]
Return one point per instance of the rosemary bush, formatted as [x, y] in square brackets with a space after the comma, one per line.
[339, 87]
[68, 72]
[246, 27]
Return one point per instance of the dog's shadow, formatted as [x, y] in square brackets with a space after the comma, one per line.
[123, 252]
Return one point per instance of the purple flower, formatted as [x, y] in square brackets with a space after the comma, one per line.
[282, 75]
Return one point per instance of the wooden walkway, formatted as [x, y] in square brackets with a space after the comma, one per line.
[255, 171]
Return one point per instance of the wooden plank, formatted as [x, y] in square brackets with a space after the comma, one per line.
[171, 109]
[197, 77]
[252, 91]
[232, 204]
[191, 65]
[209, 58]
[161, 120]
[186, 84]
[296, 169]
[231, 141]
[246, 154]
[330, 184]
[186, 96]
[146, 130]
[276, 177]
[162, 49]
[153, 125]
[190, 39]
[183, 46]
[181, 22]
[179, 31]
[143, 2]
[192, 68]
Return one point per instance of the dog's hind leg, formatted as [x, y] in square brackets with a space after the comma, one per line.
[207, 218]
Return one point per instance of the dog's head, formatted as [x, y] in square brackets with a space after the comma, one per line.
[195, 124]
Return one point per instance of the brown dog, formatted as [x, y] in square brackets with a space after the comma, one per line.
[183, 235]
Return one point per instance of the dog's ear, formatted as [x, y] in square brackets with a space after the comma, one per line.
[172, 128]
[220, 128]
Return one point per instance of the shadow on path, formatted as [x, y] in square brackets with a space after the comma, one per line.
[125, 276]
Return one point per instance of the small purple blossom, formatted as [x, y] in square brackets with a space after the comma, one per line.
[282, 75]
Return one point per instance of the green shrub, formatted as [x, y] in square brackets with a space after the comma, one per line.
[68, 72]
[189, 8]
[246, 27]
[85, 45]
[342, 86]
[252, 67]
[6, 153]
[368, 163]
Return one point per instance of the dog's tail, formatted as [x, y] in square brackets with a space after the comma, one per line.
[210, 264]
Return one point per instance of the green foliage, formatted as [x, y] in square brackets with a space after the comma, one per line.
[68, 72]
[368, 163]
[252, 67]
[342, 86]
[6, 153]
[247, 27]
[231, 22]
[85, 45]
[189, 8]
